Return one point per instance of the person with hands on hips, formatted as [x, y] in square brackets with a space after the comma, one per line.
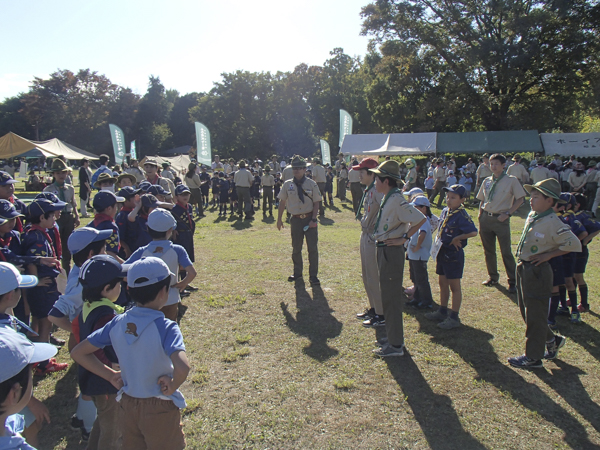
[302, 198]
[501, 195]
[544, 237]
[397, 220]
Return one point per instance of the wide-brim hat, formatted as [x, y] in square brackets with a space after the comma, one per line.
[541, 160]
[58, 165]
[103, 178]
[388, 169]
[126, 175]
[592, 163]
[151, 162]
[299, 162]
[242, 164]
[549, 187]
[267, 168]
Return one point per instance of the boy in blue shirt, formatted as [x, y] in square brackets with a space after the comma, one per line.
[161, 224]
[105, 206]
[152, 360]
[451, 179]
[127, 233]
[455, 227]
[467, 182]
[37, 242]
[182, 212]
[593, 229]
[419, 249]
[100, 278]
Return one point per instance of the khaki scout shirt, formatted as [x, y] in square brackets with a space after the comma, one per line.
[353, 176]
[439, 174]
[483, 171]
[371, 208]
[289, 193]
[243, 178]
[518, 171]
[546, 235]
[68, 191]
[411, 177]
[507, 190]
[318, 173]
[539, 173]
[396, 217]
[268, 180]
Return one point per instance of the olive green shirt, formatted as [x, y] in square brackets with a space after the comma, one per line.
[396, 218]
[507, 190]
[289, 193]
[547, 235]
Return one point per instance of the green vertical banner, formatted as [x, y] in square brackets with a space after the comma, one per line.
[345, 125]
[118, 142]
[203, 144]
[325, 154]
[132, 150]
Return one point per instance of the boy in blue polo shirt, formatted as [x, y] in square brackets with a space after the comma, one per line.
[37, 242]
[101, 278]
[152, 360]
[455, 227]
[17, 354]
[127, 234]
[161, 224]
[581, 260]
[7, 192]
[105, 205]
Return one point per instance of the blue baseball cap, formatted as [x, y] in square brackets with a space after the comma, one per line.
[41, 206]
[568, 198]
[157, 189]
[8, 210]
[421, 200]
[128, 192]
[84, 236]
[5, 179]
[104, 199]
[149, 200]
[16, 352]
[100, 270]
[145, 185]
[52, 197]
[146, 271]
[11, 279]
[182, 189]
[161, 220]
[457, 189]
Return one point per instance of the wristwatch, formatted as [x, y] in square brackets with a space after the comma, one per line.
[313, 220]
[405, 236]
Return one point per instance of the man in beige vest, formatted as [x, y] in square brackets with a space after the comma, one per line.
[301, 197]
[500, 195]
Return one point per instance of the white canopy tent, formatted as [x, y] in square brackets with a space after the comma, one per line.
[179, 163]
[566, 144]
[389, 144]
[12, 145]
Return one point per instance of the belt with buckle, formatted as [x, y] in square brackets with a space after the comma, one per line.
[301, 216]
[491, 214]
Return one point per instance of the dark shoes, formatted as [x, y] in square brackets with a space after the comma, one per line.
[489, 282]
[314, 281]
[512, 289]
[367, 314]
[294, 278]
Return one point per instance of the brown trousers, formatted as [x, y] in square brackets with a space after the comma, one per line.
[491, 228]
[106, 433]
[390, 261]
[534, 288]
[151, 423]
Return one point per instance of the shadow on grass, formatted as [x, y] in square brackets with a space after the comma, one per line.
[334, 208]
[572, 391]
[62, 405]
[474, 347]
[504, 291]
[326, 221]
[313, 320]
[434, 412]
[583, 334]
[241, 224]
[268, 219]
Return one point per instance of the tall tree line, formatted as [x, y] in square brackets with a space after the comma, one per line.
[432, 65]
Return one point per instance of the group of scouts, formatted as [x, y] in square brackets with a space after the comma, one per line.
[551, 256]
[131, 266]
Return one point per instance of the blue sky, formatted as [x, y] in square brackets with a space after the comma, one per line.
[188, 44]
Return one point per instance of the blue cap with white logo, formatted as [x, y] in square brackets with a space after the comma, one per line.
[41, 206]
[5, 178]
[457, 189]
[84, 236]
[8, 210]
[161, 220]
[105, 199]
[157, 189]
[146, 271]
[182, 189]
[52, 197]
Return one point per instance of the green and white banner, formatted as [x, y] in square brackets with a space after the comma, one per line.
[345, 125]
[132, 151]
[325, 154]
[118, 142]
[203, 154]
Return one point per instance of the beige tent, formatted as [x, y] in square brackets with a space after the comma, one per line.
[179, 163]
[12, 145]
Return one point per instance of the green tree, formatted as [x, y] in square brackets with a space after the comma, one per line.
[497, 57]
[180, 122]
[152, 133]
[12, 119]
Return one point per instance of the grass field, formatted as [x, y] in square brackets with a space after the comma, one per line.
[276, 366]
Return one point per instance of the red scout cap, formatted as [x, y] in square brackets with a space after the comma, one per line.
[368, 163]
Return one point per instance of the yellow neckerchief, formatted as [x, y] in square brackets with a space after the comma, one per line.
[89, 307]
[446, 219]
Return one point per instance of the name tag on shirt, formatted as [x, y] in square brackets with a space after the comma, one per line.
[540, 235]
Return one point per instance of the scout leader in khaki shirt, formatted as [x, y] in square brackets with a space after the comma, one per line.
[507, 191]
[291, 200]
[518, 171]
[396, 218]
[371, 202]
